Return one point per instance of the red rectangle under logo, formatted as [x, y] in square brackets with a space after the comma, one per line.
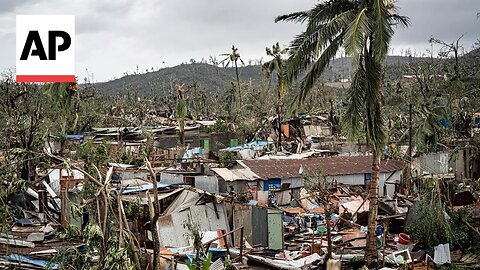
[45, 78]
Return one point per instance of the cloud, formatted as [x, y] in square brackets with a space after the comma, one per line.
[11, 5]
[114, 36]
[445, 20]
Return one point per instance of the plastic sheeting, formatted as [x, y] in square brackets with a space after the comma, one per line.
[442, 254]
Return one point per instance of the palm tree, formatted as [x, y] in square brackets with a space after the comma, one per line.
[278, 66]
[364, 28]
[233, 58]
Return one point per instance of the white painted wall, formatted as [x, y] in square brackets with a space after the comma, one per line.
[352, 179]
[434, 163]
[359, 179]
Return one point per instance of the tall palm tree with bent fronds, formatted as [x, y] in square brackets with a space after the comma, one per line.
[233, 58]
[364, 28]
[277, 65]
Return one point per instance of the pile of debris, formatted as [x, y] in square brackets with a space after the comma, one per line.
[34, 240]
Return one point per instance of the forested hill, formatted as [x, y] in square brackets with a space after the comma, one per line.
[218, 79]
[206, 76]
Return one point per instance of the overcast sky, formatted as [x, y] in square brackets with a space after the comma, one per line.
[114, 36]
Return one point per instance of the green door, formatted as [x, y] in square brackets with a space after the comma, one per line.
[275, 229]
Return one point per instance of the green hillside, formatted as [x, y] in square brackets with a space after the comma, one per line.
[218, 79]
[208, 77]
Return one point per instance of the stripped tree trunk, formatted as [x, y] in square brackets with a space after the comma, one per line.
[181, 134]
[329, 232]
[371, 247]
[154, 220]
[238, 85]
[279, 127]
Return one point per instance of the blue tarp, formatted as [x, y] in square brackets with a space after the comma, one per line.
[38, 262]
[145, 187]
[445, 123]
[78, 137]
[476, 123]
[24, 222]
[255, 145]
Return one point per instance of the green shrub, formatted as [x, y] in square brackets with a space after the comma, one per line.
[429, 224]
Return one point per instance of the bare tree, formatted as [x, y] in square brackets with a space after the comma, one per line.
[321, 191]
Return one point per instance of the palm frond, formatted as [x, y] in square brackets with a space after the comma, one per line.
[403, 21]
[316, 70]
[297, 17]
[225, 62]
[320, 13]
[375, 128]
[353, 119]
[356, 33]
[382, 32]
[267, 68]
[269, 51]
[329, 10]
[304, 49]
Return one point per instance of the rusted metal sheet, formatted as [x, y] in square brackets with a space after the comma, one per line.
[171, 231]
[340, 165]
[242, 216]
[349, 236]
[283, 197]
[171, 179]
[207, 183]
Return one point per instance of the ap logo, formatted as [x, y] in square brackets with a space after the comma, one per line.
[45, 48]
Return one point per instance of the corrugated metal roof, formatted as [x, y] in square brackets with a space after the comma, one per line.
[235, 174]
[144, 198]
[339, 165]
[145, 187]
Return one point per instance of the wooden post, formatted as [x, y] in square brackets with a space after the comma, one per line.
[65, 206]
[241, 244]
[226, 241]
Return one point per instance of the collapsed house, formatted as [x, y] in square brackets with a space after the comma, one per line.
[459, 164]
[259, 205]
[206, 211]
[277, 226]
